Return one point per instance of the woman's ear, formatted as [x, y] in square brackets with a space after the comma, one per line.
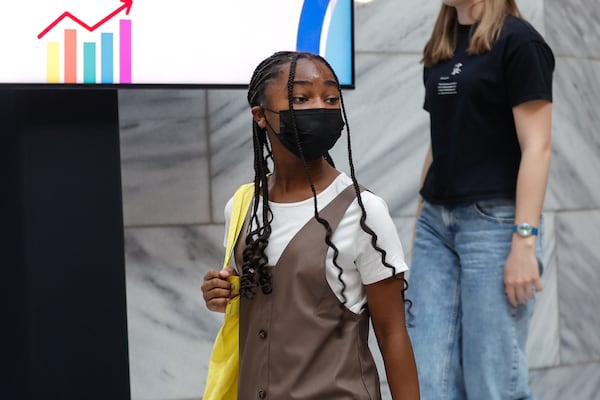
[258, 113]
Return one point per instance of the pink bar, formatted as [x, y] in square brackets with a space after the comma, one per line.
[125, 51]
[70, 56]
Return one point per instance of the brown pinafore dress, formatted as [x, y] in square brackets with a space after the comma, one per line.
[289, 343]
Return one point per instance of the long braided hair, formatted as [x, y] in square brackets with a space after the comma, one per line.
[255, 272]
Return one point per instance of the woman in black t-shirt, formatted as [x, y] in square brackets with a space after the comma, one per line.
[476, 261]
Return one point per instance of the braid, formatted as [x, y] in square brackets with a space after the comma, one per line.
[255, 270]
[320, 220]
[254, 258]
[363, 217]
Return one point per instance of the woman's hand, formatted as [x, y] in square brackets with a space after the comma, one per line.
[521, 272]
[216, 289]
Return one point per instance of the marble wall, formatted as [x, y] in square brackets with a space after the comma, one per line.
[185, 151]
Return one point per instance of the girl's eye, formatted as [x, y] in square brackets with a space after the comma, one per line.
[299, 99]
[332, 100]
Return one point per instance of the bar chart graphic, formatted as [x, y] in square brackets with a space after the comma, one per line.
[160, 43]
[86, 61]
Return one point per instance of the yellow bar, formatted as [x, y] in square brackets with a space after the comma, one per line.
[53, 63]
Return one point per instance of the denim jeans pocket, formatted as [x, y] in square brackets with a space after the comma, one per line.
[498, 210]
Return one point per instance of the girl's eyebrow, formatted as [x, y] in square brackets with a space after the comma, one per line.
[328, 82]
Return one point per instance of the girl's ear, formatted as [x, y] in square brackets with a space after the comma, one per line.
[258, 113]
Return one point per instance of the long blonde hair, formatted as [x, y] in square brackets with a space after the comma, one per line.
[490, 20]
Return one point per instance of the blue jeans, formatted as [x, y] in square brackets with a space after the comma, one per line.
[469, 342]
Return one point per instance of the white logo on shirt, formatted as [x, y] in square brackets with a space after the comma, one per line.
[457, 69]
[445, 88]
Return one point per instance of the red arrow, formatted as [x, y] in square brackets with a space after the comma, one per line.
[126, 6]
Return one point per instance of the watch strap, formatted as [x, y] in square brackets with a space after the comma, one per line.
[531, 230]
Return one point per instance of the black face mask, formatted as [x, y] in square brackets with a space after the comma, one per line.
[318, 130]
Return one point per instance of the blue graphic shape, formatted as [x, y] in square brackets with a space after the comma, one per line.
[311, 25]
[106, 55]
[338, 50]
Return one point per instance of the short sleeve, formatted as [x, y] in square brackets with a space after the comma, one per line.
[368, 260]
[425, 77]
[528, 72]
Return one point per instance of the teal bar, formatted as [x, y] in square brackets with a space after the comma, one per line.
[107, 58]
[89, 62]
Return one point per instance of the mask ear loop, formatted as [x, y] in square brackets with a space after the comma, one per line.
[329, 159]
[270, 110]
[267, 121]
[267, 143]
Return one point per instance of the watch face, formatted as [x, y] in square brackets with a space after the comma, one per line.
[524, 230]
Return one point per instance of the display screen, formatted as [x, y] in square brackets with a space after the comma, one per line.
[177, 42]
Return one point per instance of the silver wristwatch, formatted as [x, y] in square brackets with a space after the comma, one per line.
[525, 230]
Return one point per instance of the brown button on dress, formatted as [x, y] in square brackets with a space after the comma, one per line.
[289, 343]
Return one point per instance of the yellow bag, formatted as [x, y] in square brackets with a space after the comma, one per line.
[222, 378]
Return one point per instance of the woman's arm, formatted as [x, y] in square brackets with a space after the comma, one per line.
[386, 305]
[426, 165]
[533, 120]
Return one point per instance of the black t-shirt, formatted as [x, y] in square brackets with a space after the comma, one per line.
[470, 98]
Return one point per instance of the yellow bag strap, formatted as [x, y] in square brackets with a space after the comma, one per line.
[241, 201]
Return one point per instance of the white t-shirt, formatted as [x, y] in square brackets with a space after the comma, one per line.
[360, 262]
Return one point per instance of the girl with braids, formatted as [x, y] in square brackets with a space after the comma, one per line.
[475, 266]
[318, 255]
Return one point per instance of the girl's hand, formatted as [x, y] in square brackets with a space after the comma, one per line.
[216, 289]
